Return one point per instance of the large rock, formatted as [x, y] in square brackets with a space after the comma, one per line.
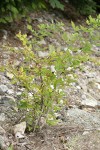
[82, 118]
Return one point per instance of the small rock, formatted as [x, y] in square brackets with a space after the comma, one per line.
[42, 42]
[61, 101]
[78, 87]
[17, 63]
[3, 89]
[8, 100]
[2, 117]
[73, 84]
[66, 48]
[19, 130]
[89, 103]
[85, 132]
[71, 76]
[98, 85]
[90, 74]
[59, 117]
[10, 92]
[98, 79]
[18, 93]
[52, 87]
[40, 19]
[53, 70]
[9, 75]
[43, 54]
[69, 68]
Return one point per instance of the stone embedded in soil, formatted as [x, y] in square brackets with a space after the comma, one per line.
[7, 101]
[3, 89]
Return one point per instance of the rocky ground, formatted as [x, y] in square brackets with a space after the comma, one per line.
[79, 127]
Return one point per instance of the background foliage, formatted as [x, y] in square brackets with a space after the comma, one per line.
[11, 9]
[84, 6]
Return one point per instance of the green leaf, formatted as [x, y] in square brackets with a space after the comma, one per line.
[56, 3]
[29, 27]
[76, 28]
[23, 104]
[87, 47]
[65, 37]
[14, 10]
